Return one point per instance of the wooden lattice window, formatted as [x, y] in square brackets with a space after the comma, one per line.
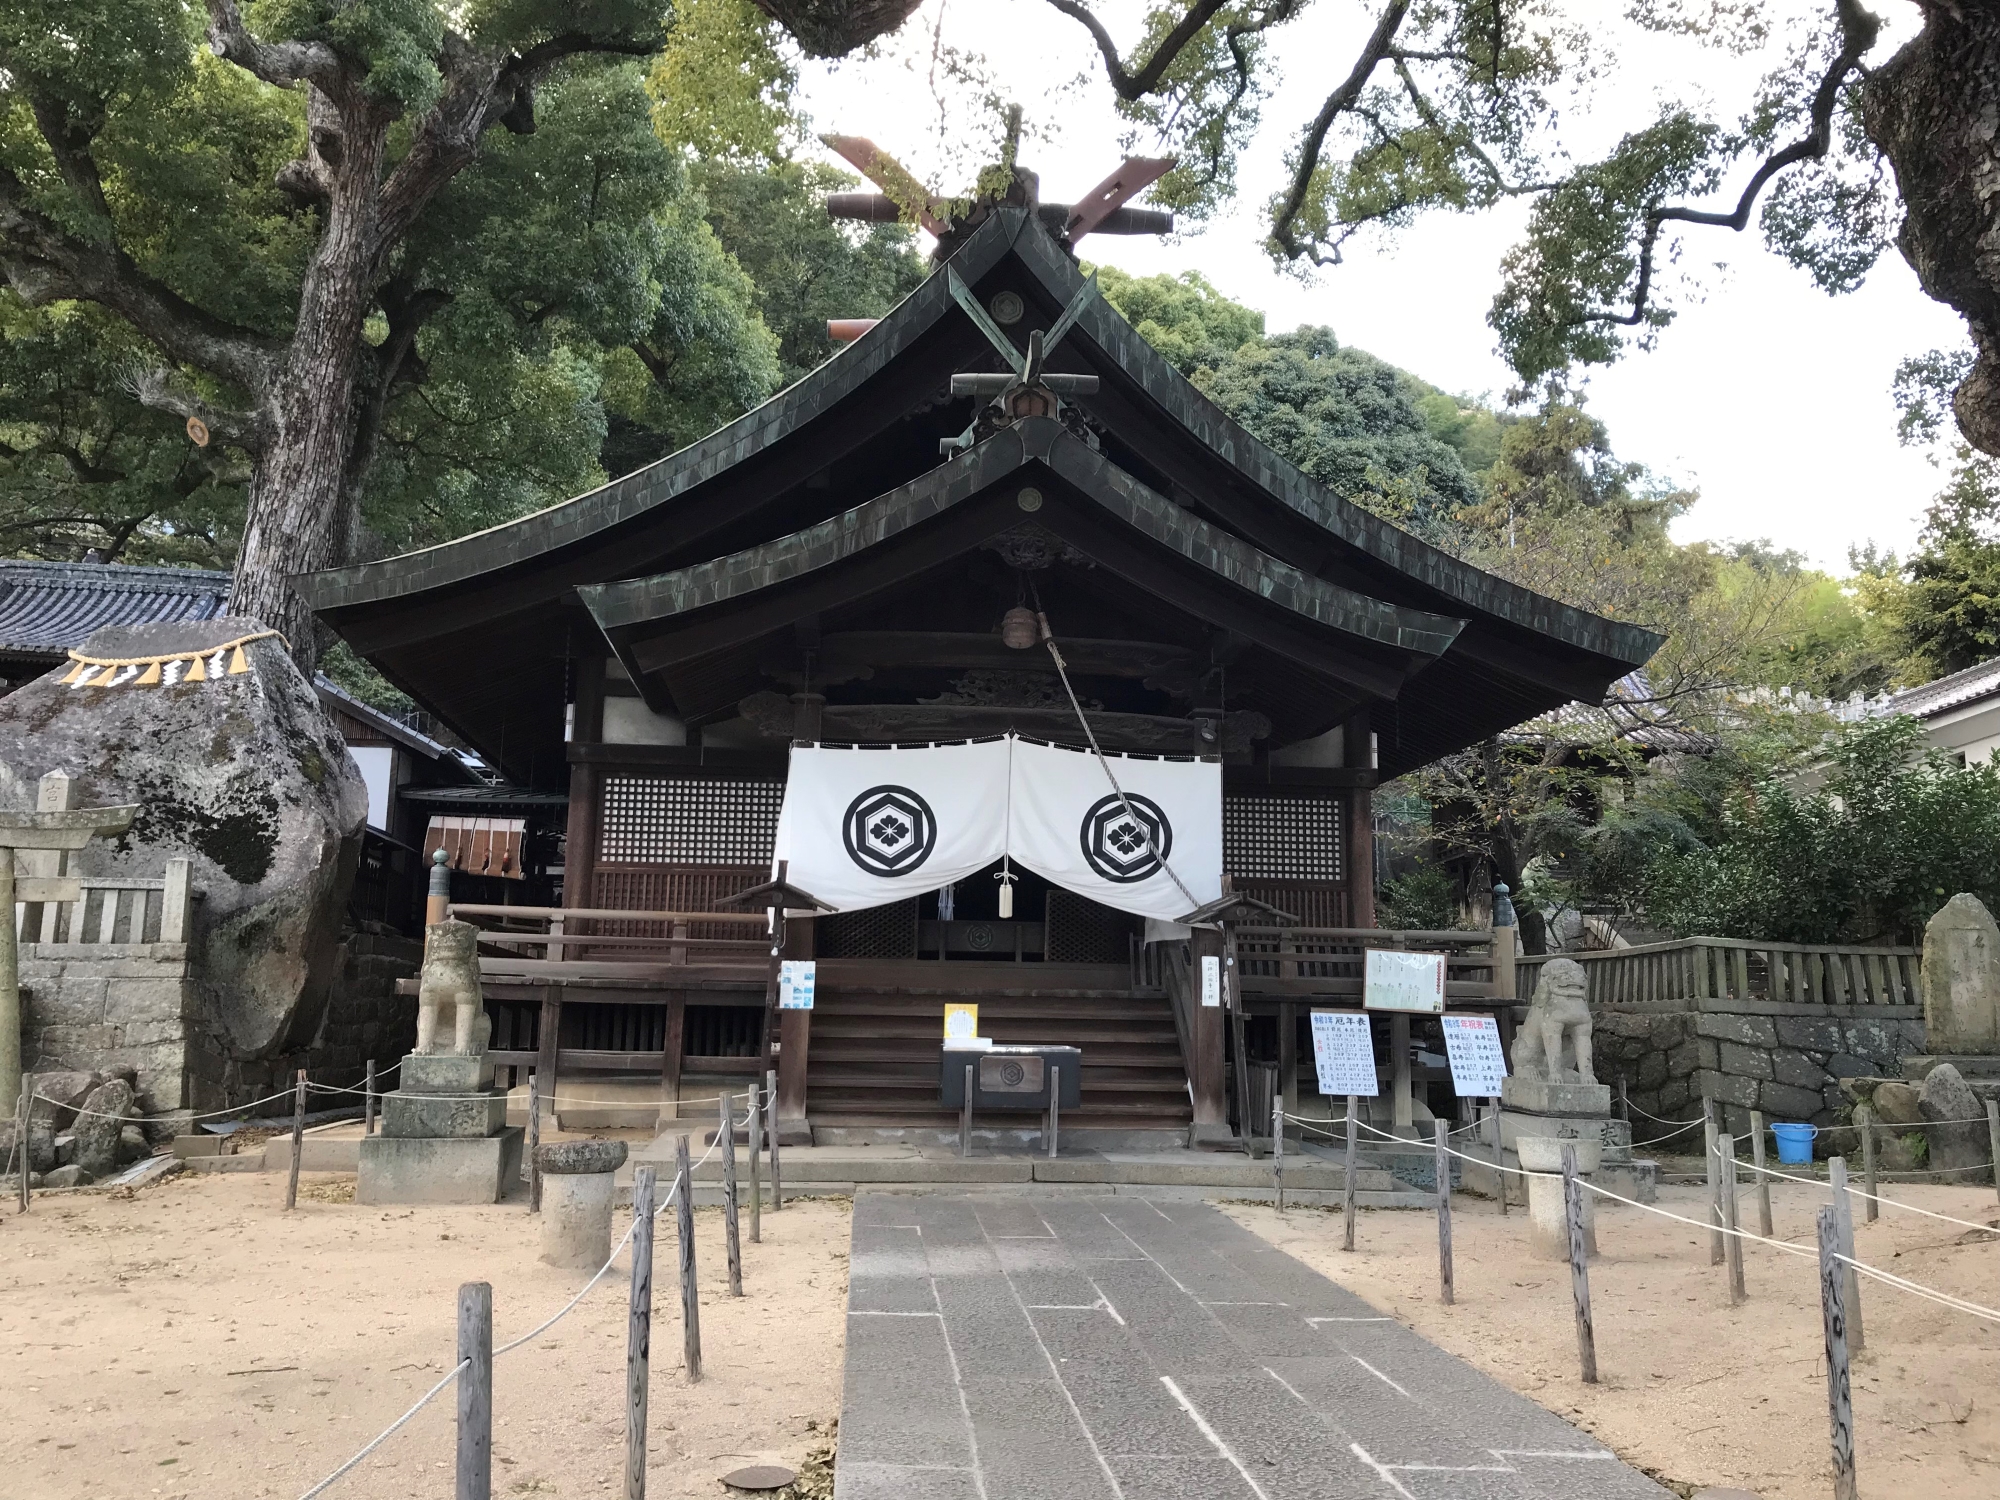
[1080, 931]
[1281, 838]
[681, 820]
[879, 932]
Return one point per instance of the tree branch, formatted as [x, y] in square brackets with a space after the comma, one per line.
[280, 64]
[1131, 85]
[43, 264]
[1858, 30]
[1283, 230]
[156, 388]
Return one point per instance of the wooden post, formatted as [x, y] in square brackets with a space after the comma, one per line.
[1499, 1157]
[1505, 926]
[1711, 1133]
[1205, 1029]
[1843, 1207]
[639, 1335]
[475, 1392]
[1347, 1176]
[771, 1124]
[965, 1117]
[1444, 1213]
[1579, 1271]
[1993, 1140]
[24, 1112]
[437, 896]
[1624, 1101]
[1278, 1145]
[1763, 1177]
[10, 996]
[1734, 1249]
[1872, 1206]
[673, 1043]
[756, 1187]
[298, 1140]
[1358, 752]
[1055, 1106]
[1403, 1114]
[732, 1244]
[548, 1055]
[1833, 1316]
[690, 1293]
[534, 1163]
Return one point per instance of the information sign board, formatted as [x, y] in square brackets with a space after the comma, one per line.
[1403, 981]
[1211, 980]
[796, 980]
[1344, 1054]
[1472, 1045]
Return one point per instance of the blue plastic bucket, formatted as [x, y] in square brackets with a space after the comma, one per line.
[1794, 1142]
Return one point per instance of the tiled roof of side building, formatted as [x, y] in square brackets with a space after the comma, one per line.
[46, 608]
[1981, 680]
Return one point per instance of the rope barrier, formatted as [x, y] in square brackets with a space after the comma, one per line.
[98, 1114]
[534, 1333]
[1658, 1119]
[390, 1431]
[1918, 1289]
[1889, 1202]
[330, 1088]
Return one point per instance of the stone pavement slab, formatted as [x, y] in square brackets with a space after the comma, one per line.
[1124, 1348]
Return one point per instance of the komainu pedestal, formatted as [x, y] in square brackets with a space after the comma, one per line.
[1553, 1094]
[445, 1137]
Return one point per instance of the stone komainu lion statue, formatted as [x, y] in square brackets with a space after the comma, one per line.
[450, 981]
[1553, 1044]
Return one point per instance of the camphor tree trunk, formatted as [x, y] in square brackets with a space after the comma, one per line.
[1932, 109]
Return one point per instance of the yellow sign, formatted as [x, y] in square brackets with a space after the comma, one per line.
[961, 1023]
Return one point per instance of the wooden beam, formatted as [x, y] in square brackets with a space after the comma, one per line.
[1134, 175]
[875, 723]
[855, 655]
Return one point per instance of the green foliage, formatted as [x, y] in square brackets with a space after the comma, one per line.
[1558, 461]
[1942, 606]
[1423, 899]
[1191, 323]
[1564, 288]
[803, 268]
[1347, 419]
[83, 465]
[723, 88]
[397, 40]
[359, 679]
[1891, 832]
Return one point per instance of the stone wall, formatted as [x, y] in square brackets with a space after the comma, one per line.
[93, 1007]
[1784, 1059]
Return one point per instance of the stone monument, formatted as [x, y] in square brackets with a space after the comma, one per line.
[445, 1137]
[1959, 1070]
[1552, 1092]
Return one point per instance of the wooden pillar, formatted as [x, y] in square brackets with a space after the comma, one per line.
[1288, 1057]
[672, 1045]
[1403, 1116]
[548, 1053]
[1358, 742]
[794, 1032]
[1205, 1074]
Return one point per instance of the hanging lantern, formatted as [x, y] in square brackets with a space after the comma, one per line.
[1017, 628]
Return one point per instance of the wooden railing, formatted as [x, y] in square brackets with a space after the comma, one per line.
[1328, 961]
[1706, 968]
[569, 942]
[112, 911]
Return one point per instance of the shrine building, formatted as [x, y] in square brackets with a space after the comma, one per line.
[882, 555]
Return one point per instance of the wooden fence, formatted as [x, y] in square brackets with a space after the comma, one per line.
[118, 910]
[1706, 968]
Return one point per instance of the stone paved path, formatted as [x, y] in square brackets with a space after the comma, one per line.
[1005, 1347]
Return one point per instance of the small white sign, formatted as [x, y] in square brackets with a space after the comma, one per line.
[1472, 1043]
[1343, 1054]
[1403, 981]
[796, 979]
[1211, 980]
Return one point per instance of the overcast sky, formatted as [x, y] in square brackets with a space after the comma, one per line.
[1768, 396]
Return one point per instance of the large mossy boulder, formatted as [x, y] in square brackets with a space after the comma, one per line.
[236, 769]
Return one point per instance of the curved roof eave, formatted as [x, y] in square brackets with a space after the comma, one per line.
[618, 605]
[1382, 540]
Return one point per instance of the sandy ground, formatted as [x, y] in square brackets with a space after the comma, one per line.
[1693, 1390]
[195, 1340]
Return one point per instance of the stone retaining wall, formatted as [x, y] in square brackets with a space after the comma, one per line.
[1784, 1059]
[96, 1006]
